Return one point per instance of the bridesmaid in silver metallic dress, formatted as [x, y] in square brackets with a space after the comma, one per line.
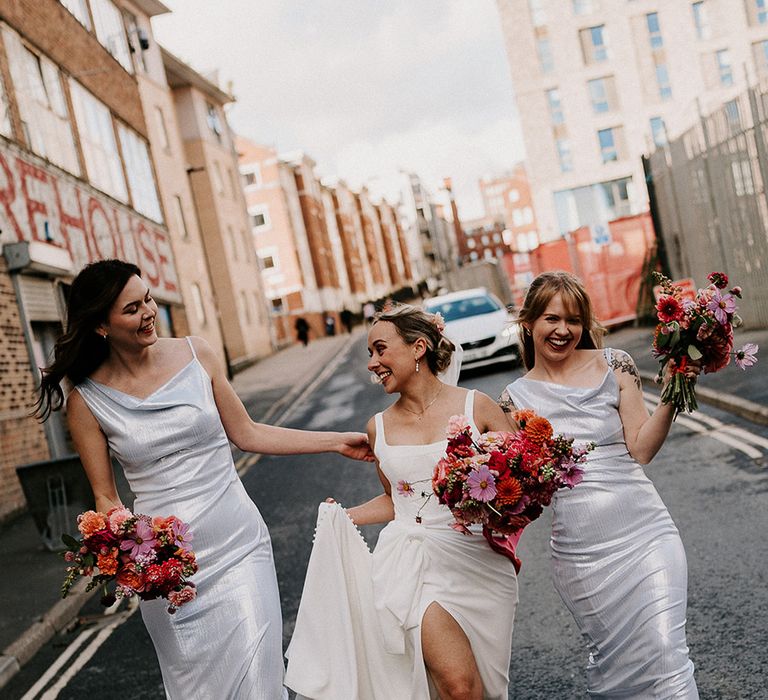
[618, 561]
[164, 408]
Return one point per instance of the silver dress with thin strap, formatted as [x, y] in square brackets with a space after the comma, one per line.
[618, 561]
[227, 643]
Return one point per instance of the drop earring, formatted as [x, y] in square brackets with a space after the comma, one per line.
[417, 366]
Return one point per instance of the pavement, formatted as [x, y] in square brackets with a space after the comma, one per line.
[32, 611]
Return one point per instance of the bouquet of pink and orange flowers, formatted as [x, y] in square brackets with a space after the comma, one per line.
[696, 330]
[146, 557]
[504, 480]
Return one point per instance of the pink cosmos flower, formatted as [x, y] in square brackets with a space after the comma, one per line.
[747, 356]
[405, 488]
[721, 306]
[180, 531]
[456, 426]
[482, 485]
[141, 541]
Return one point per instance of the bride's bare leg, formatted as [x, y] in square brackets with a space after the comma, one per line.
[448, 656]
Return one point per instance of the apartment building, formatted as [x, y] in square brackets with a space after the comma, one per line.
[600, 82]
[77, 184]
[200, 315]
[221, 210]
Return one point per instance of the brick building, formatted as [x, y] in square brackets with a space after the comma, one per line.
[77, 184]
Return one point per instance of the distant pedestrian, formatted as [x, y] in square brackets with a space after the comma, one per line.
[302, 330]
[346, 319]
[369, 310]
[330, 324]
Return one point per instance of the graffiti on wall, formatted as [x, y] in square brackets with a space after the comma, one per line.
[38, 202]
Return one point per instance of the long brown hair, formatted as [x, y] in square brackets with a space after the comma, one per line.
[540, 293]
[79, 351]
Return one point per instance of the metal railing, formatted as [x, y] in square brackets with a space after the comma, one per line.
[709, 200]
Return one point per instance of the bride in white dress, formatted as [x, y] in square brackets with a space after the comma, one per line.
[430, 613]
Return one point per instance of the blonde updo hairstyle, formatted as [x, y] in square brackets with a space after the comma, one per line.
[576, 299]
[413, 323]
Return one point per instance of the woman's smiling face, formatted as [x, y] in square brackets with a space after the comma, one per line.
[558, 330]
[132, 317]
[392, 359]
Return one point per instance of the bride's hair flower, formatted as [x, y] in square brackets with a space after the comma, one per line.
[439, 321]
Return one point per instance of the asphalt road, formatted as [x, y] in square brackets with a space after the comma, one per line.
[716, 492]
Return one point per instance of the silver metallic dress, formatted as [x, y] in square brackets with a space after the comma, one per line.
[227, 643]
[618, 561]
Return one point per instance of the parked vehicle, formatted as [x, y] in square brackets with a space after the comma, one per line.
[480, 323]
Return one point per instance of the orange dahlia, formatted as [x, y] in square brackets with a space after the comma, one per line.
[523, 416]
[91, 522]
[538, 430]
[508, 491]
[107, 563]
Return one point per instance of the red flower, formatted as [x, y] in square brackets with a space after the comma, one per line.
[719, 279]
[669, 309]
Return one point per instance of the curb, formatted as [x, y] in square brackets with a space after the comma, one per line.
[743, 408]
[58, 617]
[64, 611]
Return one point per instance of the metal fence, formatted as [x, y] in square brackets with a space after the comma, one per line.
[709, 200]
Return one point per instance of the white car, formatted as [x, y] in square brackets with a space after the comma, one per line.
[479, 322]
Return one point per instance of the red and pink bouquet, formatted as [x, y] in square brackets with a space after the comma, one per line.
[696, 330]
[504, 480]
[146, 557]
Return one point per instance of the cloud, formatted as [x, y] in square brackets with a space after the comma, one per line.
[361, 85]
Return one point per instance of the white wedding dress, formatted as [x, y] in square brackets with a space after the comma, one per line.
[358, 629]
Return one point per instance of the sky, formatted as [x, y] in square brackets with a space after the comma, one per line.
[365, 87]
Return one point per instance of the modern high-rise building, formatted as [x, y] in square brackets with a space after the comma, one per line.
[600, 82]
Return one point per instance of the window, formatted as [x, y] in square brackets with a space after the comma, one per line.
[165, 144]
[277, 305]
[97, 139]
[110, 31]
[564, 156]
[218, 180]
[724, 67]
[178, 214]
[658, 131]
[79, 8]
[197, 303]
[138, 168]
[245, 307]
[42, 106]
[555, 106]
[609, 144]
[701, 19]
[247, 245]
[593, 204]
[267, 262]
[593, 44]
[584, 7]
[252, 176]
[602, 94]
[259, 216]
[757, 11]
[662, 80]
[654, 30]
[214, 121]
[760, 55]
[136, 37]
[544, 51]
[538, 16]
[514, 195]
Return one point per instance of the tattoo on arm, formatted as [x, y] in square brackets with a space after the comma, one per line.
[623, 362]
[506, 403]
